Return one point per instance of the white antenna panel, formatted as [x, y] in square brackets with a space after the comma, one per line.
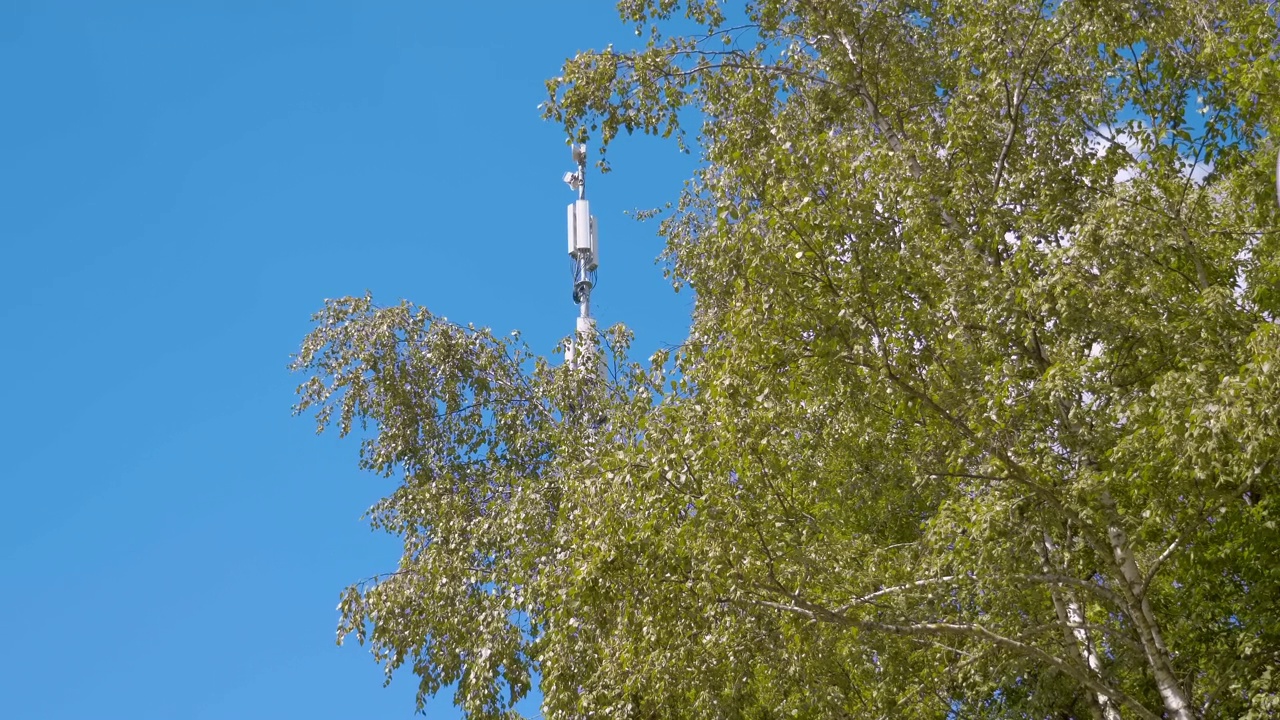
[573, 230]
[582, 225]
[581, 228]
[595, 245]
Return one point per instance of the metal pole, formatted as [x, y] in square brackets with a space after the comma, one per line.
[583, 281]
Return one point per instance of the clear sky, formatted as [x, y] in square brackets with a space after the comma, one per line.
[181, 185]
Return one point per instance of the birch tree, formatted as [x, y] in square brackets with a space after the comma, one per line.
[979, 411]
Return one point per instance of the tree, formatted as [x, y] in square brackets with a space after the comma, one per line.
[979, 412]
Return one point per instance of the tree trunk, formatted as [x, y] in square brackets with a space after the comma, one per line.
[1171, 691]
[1071, 617]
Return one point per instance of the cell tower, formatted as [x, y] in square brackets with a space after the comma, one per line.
[584, 254]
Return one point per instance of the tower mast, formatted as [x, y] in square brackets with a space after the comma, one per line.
[584, 252]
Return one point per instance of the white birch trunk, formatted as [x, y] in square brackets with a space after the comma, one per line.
[1071, 616]
[1172, 694]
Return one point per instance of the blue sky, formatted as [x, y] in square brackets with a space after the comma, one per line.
[181, 185]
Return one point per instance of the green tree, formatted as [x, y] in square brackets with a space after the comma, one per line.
[978, 415]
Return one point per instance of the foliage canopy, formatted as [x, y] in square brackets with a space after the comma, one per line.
[979, 412]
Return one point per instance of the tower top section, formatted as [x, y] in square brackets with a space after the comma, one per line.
[584, 249]
[578, 178]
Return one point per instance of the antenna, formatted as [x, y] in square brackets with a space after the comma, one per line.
[584, 254]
